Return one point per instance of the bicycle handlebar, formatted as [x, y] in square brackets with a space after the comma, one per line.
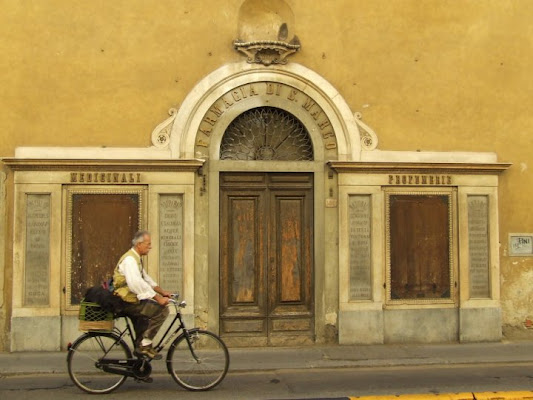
[174, 300]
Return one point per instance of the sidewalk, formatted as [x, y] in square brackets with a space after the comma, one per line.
[332, 356]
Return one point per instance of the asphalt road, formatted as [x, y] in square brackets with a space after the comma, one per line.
[295, 384]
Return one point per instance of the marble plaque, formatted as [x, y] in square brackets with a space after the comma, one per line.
[478, 250]
[359, 231]
[521, 244]
[171, 242]
[37, 254]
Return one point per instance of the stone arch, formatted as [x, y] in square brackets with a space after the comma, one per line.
[317, 103]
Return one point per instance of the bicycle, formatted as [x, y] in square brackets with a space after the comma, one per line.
[99, 362]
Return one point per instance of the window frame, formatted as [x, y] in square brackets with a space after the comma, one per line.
[70, 191]
[451, 192]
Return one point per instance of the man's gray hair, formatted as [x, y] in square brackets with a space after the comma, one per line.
[139, 237]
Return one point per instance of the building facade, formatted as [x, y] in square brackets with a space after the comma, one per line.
[274, 210]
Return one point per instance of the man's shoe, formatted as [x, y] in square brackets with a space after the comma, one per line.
[148, 351]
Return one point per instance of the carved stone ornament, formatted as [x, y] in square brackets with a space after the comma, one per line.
[161, 133]
[267, 52]
[265, 31]
[369, 139]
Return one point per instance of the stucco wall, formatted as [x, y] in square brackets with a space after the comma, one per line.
[433, 75]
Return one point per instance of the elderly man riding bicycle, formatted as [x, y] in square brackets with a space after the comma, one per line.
[145, 301]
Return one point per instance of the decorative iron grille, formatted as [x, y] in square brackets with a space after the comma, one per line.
[266, 133]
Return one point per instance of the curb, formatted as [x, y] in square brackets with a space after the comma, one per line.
[527, 395]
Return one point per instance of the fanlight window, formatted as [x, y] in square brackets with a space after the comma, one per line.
[266, 133]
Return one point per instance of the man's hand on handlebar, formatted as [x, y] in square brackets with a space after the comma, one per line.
[162, 292]
[161, 300]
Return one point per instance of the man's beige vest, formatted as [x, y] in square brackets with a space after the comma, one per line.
[119, 280]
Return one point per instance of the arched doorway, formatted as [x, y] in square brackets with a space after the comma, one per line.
[199, 131]
[266, 232]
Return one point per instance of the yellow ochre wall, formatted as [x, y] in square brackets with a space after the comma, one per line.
[429, 75]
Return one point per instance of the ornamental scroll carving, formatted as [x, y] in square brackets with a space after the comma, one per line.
[161, 133]
[369, 139]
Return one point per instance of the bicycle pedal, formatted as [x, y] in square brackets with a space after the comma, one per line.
[143, 357]
[145, 380]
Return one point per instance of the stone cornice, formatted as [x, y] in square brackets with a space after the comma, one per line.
[18, 164]
[418, 167]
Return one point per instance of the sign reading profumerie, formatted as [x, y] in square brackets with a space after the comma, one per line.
[171, 241]
[37, 254]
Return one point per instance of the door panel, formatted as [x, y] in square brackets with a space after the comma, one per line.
[420, 247]
[266, 263]
[289, 235]
[102, 228]
[244, 249]
[242, 256]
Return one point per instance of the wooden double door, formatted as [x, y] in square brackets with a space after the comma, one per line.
[266, 258]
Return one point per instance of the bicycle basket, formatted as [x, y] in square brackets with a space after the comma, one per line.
[94, 318]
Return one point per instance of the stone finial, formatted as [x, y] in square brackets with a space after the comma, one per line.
[265, 32]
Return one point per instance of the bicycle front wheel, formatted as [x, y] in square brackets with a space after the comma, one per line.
[84, 358]
[201, 366]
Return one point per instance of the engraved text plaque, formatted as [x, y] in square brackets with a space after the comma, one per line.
[360, 247]
[478, 250]
[171, 241]
[37, 255]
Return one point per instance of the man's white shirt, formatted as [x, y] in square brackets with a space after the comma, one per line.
[140, 284]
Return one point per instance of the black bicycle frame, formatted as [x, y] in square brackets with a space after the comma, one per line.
[127, 367]
[164, 340]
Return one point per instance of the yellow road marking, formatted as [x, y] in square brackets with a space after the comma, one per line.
[504, 395]
[525, 395]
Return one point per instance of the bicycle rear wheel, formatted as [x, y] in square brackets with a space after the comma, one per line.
[206, 370]
[83, 361]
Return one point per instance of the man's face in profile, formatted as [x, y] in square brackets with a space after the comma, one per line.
[144, 247]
